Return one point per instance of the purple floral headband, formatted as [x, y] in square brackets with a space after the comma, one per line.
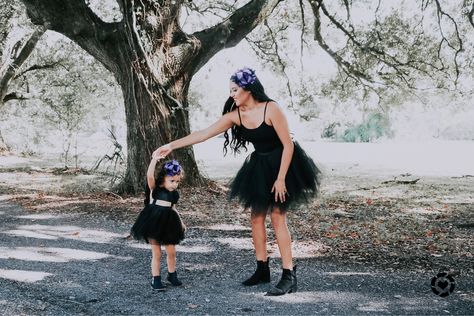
[244, 77]
[172, 168]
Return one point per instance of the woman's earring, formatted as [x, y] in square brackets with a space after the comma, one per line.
[232, 106]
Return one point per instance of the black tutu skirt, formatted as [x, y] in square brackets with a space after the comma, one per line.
[160, 223]
[254, 181]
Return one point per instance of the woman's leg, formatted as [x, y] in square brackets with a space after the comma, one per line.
[171, 257]
[155, 258]
[288, 282]
[259, 236]
[283, 237]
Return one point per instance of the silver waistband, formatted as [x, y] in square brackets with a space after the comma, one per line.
[161, 202]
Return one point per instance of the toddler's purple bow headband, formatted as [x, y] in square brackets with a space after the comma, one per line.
[172, 168]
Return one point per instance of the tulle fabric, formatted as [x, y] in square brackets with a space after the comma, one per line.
[160, 223]
[253, 183]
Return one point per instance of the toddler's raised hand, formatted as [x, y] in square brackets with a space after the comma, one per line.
[156, 156]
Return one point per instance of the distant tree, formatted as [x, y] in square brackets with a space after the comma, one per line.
[72, 98]
[13, 56]
[65, 112]
[3, 146]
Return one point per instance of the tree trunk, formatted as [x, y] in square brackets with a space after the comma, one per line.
[151, 124]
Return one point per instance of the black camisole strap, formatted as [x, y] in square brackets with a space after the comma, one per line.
[240, 119]
[265, 111]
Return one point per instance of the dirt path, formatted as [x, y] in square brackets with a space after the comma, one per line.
[78, 263]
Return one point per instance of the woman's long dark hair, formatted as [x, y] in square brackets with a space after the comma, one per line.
[237, 142]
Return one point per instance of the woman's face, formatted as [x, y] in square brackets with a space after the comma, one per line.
[239, 95]
[171, 183]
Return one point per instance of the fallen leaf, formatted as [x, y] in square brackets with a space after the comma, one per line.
[331, 235]
[354, 235]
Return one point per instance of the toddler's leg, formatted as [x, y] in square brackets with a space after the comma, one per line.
[155, 258]
[156, 266]
[171, 261]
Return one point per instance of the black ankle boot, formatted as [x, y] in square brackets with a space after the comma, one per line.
[261, 275]
[173, 279]
[287, 283]
[156, 283]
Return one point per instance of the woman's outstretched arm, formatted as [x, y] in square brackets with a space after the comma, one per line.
[223, 124]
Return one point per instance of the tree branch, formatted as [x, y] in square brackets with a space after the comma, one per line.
[14, 96]
[231, 31]
[458, 50]
[343, 64]
[399, 66]
[471, 14]
[216, 8]
[268, 51]
[74, 19]
[280, 62]
[347, 5]
[303, 30]
[38, 67]
[8, 71]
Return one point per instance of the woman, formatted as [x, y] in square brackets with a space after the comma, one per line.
[277, 175]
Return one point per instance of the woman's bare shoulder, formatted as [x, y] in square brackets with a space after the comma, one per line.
[233, 116]
[273, 108]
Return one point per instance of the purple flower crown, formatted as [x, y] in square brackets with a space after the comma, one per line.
[172, 168]
[244, 77]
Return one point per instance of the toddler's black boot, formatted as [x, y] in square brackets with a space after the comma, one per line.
[287, 283]
[261, 275]
[156, 283]
[173, 279]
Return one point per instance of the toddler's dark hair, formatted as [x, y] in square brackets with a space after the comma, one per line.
[160, 174]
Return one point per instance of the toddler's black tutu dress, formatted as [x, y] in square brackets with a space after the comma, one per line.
[160, 223]
[253, 183]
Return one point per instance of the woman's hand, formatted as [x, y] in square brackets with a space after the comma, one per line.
[162, 152]
[279, 188]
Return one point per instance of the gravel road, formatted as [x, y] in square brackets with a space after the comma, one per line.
[81, 264]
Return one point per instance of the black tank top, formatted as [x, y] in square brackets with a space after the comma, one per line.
[264, 137]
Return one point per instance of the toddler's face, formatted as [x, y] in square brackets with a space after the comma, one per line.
[171, 183]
